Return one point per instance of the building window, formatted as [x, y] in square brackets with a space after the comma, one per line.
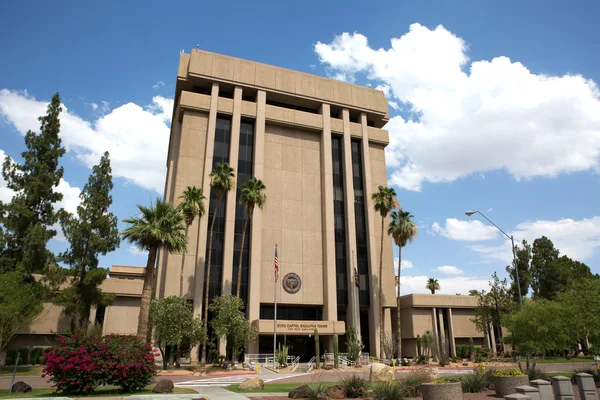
[244, 172]
[341, 270]
[291, 313]
[220, 155]
[100, 312]
[362, 255]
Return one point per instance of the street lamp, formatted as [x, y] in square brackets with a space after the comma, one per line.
[512, 242]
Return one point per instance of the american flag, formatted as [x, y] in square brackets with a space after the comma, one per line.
[276, 264]
[356, 277]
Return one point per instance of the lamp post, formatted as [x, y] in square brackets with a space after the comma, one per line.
[512, 242]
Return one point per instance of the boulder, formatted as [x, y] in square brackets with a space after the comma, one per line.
[381, 372]
[163, 386]
[336, 392]
[252, 384]
[299, 393]
[21, 387]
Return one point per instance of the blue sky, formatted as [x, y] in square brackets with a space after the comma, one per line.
[496, 109]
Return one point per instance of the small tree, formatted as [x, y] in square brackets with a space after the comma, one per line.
[230, 322]
[336, 352]
[419, 348]
[427, 343]
[390, 345]
[353, 344]
[191, 206]
[20, 303]
[173, 322]
[317, 350]
[432, 285]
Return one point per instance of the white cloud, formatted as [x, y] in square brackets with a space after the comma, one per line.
[94, 106]
[135, 251]
[470, 118]
[158, 85]
[136, 137]
[405, 264]
[578, 239]
[449, 270]
[453, 285]
[473, 230]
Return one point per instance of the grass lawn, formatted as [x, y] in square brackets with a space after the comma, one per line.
[562, 360]
[567, 374]
[273, 387]
[107, 391]
[28, 370]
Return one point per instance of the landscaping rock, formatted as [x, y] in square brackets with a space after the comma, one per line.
[299, 393]
[21, 387]
[381, 372]
[252, 384]
[336, 392]
[163, 386]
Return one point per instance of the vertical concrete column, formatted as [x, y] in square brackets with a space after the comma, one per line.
[234, 150]
[372, 243]
[434, 321]
[587, 387]
[203, 225]
[328, 226]
[254, 272]
[563, 389]
[451, 338]
[351, 229]
[442, 327]
[544, 387]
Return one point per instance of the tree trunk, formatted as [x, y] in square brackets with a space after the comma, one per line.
[2, 359]
[142, 329]
[187, 228]
[381, 333]
[399, 332]
[239, 274]
[207, 279]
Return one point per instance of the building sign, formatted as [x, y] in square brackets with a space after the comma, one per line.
[291, 283]
[304, 328]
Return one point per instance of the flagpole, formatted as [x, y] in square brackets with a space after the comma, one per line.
[275, 312]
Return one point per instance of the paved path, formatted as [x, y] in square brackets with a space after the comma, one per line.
[223, 381]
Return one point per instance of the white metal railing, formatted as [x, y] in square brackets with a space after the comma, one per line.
[311, 364]
[294, 363]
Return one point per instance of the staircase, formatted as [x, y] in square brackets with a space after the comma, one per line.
[302, 367]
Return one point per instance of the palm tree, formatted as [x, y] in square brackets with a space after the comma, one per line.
[159, 226]
[404, 231]
[384, 201]
[253, 194]
[191, 206]
[221, 181]
[433, 285]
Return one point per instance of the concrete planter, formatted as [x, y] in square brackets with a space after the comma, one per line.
[506, 384]
[441, 391]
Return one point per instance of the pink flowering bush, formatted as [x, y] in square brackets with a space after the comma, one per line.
[85, 360]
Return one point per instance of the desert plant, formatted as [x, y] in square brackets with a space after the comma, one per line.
[316, 390]
[354, 386]
[476, 382]
[419, 348]
[336, 352]
[412, 382]
[590, 370]
[427, 343]
[533, 372]
[317, 350]
[390, 345]
[390, 390]
[353, 344]
[282, 354]
[441, 349]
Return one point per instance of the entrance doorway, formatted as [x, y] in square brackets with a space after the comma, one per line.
[298, 346]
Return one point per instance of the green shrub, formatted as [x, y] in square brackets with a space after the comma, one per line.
[463, 351]
[23, 356]
[533, 372]
[316, 390]
[354, 386]
[508, 372]
[42, 360]
[475, 382]
[11, 356]
[413, 380]
[592, 371]
[34, 356]
[390, 390]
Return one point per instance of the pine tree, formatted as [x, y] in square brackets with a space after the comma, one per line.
[28, 219]
[91, 233]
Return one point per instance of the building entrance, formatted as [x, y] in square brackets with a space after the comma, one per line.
[298, 346]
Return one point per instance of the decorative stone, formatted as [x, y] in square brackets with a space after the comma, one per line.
[441, 391]
[517, 396]
[587, 386]
[21, 387]
[336, 392]
[163, 386]
[506, 384]
[299, 393]
[530, 391]
[252, 384]
[563, 388]
[545, 388]
[381, 372]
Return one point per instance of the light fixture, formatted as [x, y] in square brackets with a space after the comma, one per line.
[469, 213]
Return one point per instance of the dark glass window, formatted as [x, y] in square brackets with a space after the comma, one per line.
[244, 172]
[220, 155]
[100, 312]
[362, 255]
[300, 313]
[341, 281]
